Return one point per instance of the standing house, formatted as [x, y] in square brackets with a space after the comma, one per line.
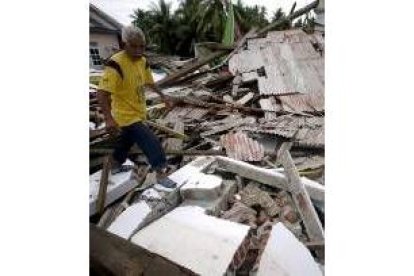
[104, 36]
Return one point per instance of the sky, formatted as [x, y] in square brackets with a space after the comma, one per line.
[121, 9]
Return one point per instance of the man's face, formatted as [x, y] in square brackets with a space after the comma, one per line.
[135, 48]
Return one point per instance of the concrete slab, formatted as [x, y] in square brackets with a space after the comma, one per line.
[213, 207]
[186, 236]
[202, 186]
[118, 185]
[285, 255]
[183, 175]
[126, 223]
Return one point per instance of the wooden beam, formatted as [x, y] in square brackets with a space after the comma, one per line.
[190, 68]
[103, 185]
[300, 196]
[168, 130]
[168, 152]
[116, 256]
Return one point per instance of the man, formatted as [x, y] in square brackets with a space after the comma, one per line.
[122, 99]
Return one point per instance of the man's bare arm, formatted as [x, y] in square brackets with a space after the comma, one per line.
[104, 99]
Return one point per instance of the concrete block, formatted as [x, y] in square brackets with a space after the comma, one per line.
[286, 255]
[127, 222]
[202, 187]
[118, 185]
[183, 175]
[213, 207]
[204, 244]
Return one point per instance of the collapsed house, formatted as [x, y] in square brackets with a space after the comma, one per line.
[246, 149]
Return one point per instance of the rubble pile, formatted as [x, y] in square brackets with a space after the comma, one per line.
[271, 95]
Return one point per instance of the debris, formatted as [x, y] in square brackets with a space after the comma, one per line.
[269, 105]
[245, 99]
[285, 255]
[174, 143]
[103, 185]
[252, 195]
[241, 147]
[199, 236]
[167, 130]
[111, 255]
[202, 186]
[300, 196]
[190, 68]
[268, 177]
[118, 185]
[239, 212]
[125, 224]
[221, 138]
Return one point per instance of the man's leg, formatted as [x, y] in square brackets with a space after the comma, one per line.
[151, 147]
[122, 148]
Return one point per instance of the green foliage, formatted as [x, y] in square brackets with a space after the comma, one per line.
[199, 21]
[280, 15]
[248, 17]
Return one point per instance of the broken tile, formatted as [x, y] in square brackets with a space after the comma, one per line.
[252, 195]
[240, 213]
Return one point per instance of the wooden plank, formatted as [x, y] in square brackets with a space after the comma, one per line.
[190, 68]
[169, 152]
[115, 256]
[300, 196]
[111, 213]
[246, 98]
[168, 130]
[103, 185]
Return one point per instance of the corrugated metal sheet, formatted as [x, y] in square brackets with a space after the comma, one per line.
[240, 147]
[304, 130]
[175, 143]
[303, 103]
[228, 126]
[283, 63]
[181, 113]
[311, 137]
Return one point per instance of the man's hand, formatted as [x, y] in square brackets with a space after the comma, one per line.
[111, 126]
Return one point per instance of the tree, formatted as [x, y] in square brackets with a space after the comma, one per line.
[298, 23]
[187, 30]
[248, 17]
[144, 20]
[280, 15]
[211, 18]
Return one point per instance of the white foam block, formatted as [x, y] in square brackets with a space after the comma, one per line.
[118, 185]
[126, 223]
[285, 255]
[186, 236]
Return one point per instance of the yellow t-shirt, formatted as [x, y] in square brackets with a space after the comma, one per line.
[127, 93]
